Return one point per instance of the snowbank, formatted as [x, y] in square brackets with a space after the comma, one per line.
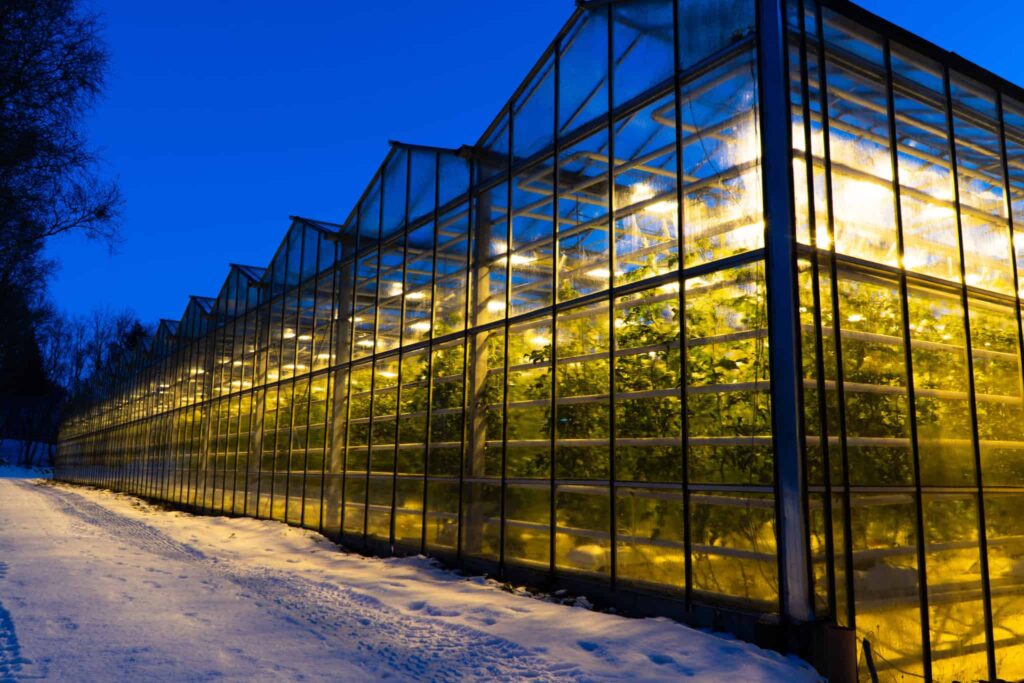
[200, 597]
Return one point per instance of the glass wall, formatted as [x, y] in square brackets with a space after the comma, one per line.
[498, 355]
[549, 352]
[904, 175]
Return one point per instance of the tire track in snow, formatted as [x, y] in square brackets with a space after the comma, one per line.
[386, 640]
[141, 535]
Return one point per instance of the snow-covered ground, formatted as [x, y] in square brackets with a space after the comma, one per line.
[100, 586]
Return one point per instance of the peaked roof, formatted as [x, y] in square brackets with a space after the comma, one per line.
[204, 302]
[254, 273]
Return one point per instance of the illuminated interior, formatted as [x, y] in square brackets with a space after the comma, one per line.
[549, 351]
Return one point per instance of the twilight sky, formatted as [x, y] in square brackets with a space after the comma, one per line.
[224, 117]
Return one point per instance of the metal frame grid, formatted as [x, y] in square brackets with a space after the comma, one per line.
[478, 407]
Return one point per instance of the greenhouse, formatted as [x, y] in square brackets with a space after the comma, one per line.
[719, 319]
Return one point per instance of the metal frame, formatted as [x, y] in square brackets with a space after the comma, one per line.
[146, 439]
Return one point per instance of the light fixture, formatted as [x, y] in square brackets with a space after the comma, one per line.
[416, 296]
[666, 209]
[640, 192]
[421, 326]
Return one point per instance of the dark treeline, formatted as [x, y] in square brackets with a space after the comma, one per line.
[52, 66]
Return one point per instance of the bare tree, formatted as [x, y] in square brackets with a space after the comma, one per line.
[52, 62]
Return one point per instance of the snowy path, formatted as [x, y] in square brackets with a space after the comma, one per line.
[98, 586]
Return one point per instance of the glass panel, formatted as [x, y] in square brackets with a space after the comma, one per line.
[874, 374]
[451, 289]
[532, 257]
[650, 536]
[930, 238]
[734, 548]
[481, 525]
[1005, 531]
[442, 515]
[412, 414]
[722, 207]
[533, 123]
[983, 206]
[490, 260]
[728, 401]
[528, 525]
[528, 449]
[707, 27]
[582, 529]
[648, 411]
[956, 614]
[448, 374]
[997, 385]
[865, 220]
[643, 51]
[486, 388]
[886, 582]
[1013, 118]
[582, 418]
[583, 251]
[646, 206]
[396, 177]
[365, 318]
[357, 451]
[391, 296]
[583, 72]
[939, 353]
[482, 504]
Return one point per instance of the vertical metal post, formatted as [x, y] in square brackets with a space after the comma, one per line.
[922, 573]
[972, 389]
[401, 342]
[293, 361]
[783, 313]
[819, 347]
[612, 263]
[837, 331]
[464, 444]
[1008, 189]
[341, 344]
[509, 221]
[556, 159]
[684, 418]
[429, 350]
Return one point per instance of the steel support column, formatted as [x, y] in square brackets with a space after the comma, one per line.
[783, 314]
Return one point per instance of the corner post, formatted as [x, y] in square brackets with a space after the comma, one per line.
[783, 313]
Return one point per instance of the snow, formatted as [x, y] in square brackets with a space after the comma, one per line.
[101, 586]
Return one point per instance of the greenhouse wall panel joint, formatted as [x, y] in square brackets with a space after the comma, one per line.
[719, 319]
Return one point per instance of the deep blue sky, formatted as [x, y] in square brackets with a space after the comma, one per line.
[222, 117]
